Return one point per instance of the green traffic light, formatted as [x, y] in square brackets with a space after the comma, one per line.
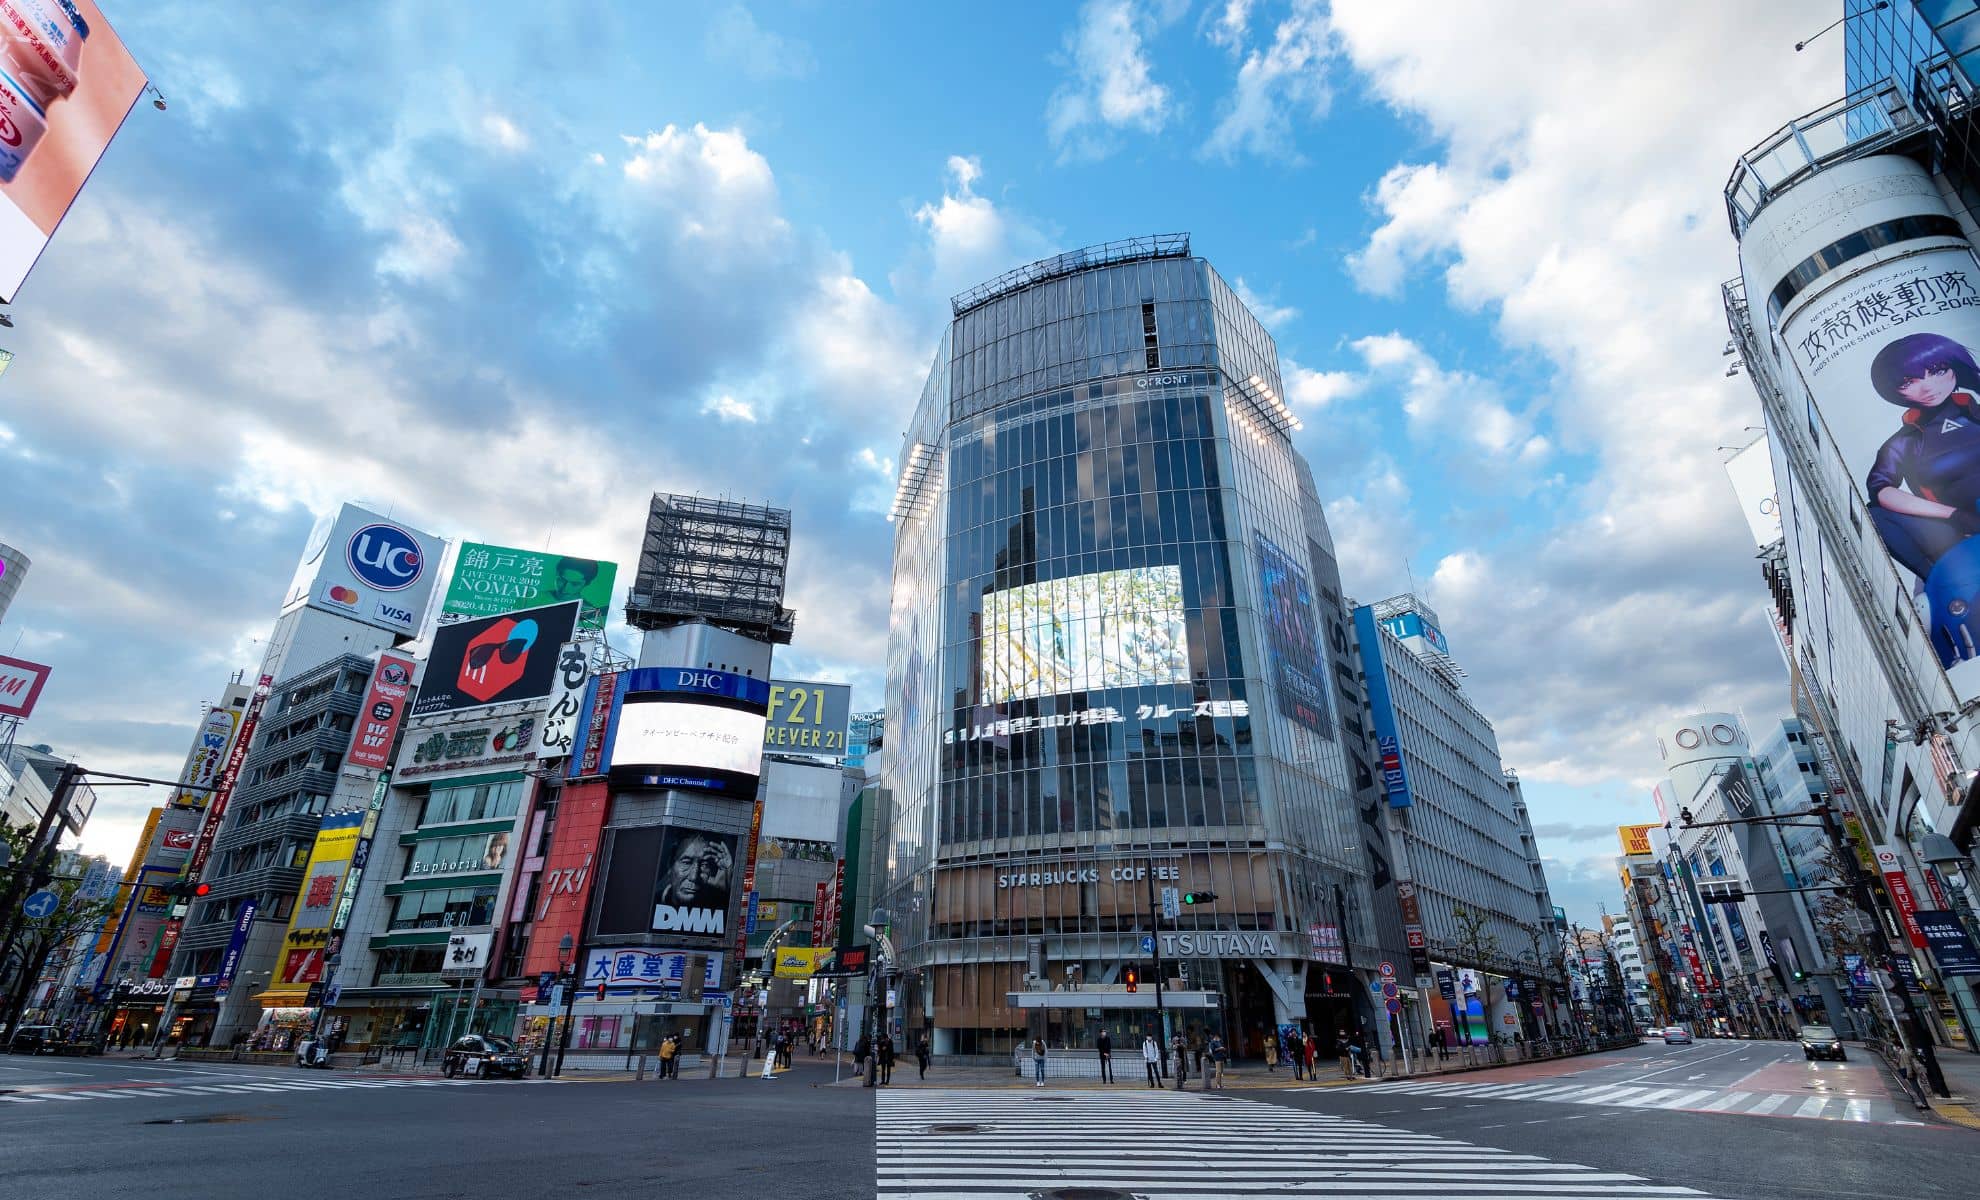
[1198, 897]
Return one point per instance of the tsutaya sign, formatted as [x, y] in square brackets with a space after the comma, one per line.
[1013, 726]
[1055, 876]
[1224, 945]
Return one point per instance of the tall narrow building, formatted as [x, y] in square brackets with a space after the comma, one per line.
[1120, 663]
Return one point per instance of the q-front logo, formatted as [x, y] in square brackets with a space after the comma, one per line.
[384, 556]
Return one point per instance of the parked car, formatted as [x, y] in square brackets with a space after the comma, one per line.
[484, 1054]
[35, 1039]
[1676, 1036]
[1820, 1041]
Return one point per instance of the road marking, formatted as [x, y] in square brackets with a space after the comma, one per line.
[1812, 1107]
[1688, 1099]
[1857, 1110]
[1768, 1104]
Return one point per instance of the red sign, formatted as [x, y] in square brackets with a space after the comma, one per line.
[178, 839]
[570, 866]
[21, 682]
[303, 966]
[1899, 886]
[224, 790]
[1415, 936]
[749, 881]
[385, 701]
[819, 903]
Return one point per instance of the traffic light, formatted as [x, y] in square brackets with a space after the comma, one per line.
[1198, 897]
[200, 889]
[1684, 814]
[1133, 979]
[601, 991]
[1721, 892]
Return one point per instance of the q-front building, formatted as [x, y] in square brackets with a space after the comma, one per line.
[1119, 662]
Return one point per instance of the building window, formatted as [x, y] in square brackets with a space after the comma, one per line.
[474, 802]
[472, 852]
[445, 909]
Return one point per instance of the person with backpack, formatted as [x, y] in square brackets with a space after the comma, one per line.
[1219, 1055]
[1151, 1055]
[1038, 1059]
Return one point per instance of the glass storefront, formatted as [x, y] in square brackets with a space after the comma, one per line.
[1118, 663]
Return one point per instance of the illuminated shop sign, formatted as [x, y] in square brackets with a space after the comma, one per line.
[1013, 726]
[1058, 876]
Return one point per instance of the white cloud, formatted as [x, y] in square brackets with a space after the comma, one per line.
[1445, 405]
[712, 189]
[1308, 388]
[735, 38]
[1113, 84]
[968, 238]
[728, 408]
[1228, 26]
[1419, 205]
[1270, 315]
[503, 133]
[1276, 85]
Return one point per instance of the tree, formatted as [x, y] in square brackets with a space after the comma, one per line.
[36, 942]
[1475, 946]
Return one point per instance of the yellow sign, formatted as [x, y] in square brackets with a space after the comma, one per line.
[1635, 838]
[801, 962]
[309, 925]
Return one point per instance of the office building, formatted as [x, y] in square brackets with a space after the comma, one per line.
[1480, 902]
[1119, 662]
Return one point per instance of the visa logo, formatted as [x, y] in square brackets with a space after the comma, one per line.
[398, 616]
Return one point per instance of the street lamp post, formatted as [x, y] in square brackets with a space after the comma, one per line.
[564, 976]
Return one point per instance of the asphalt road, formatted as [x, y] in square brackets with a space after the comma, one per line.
[112, 1128]
[1666, 1119]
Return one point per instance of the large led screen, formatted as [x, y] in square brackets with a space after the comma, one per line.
[669, 733]
[1295, 638]
[1084, 633]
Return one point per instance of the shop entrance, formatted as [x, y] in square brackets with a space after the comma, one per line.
[1329, 1006]
[1247, 1009]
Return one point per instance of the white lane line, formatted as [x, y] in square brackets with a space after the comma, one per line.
[1686, 1100]
[1727, 1101]
[1857, 1110]
[1768, 1104]
[1812, 1107]
[1654, 1098]
[1608, 1095]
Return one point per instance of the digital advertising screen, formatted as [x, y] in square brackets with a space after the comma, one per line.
[1294, 634]
[661, 733]
[1083, 633]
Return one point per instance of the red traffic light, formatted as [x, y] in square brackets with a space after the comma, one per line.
[202, 889]
[601, 991]
[1133, 979]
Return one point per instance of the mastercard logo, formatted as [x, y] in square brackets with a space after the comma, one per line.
[343, 595]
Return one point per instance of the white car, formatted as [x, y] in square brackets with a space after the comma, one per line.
[1676, 1036]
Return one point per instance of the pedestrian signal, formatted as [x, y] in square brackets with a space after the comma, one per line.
[1133, 979]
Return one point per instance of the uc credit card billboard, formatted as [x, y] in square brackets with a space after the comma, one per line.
[368, 568]
[66, 84]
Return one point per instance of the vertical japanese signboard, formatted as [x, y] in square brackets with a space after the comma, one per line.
[385, 699]
[1899, 887]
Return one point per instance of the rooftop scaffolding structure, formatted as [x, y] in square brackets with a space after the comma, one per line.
[719, 561]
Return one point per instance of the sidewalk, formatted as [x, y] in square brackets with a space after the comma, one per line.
[1962, 1072]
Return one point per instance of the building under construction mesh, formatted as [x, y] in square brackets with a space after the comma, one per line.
[716, 561]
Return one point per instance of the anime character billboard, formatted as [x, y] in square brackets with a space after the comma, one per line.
[1889, 358]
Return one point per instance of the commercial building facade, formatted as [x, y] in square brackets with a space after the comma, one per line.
[1120, 659]
[1856, 244]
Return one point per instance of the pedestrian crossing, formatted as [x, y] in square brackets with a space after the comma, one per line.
[1006, 1145]
[232, 1085]
[1864, 1109]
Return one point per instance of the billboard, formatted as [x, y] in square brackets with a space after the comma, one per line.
[683, 735]
[368, 568]
[570, 867]
[1635, 838]
[1888, 356]
[66, 84]
[1752, 474]
[473, 743]
[808, 718]
[492, 660]
[1293, 637]
[1084, 633]
[378, 719]
[668, 878]
[491, 580]
[560, 720]
[649, 967]
[800, 962]
[316, 903]
[21, 682]
[1395, 775]
[207, 757]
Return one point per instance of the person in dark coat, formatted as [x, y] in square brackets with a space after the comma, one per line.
[886, 1052]
[1105, 1044]
[921, 1055]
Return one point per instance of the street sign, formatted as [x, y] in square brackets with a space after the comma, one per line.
[1393, 1004]
[1147, 943]
[41, 905]
[1388, 970]
[1389, 989]
[1171, 903]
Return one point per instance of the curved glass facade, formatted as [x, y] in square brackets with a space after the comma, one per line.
[1119, 660]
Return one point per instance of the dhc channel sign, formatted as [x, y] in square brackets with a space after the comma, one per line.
[385, 557]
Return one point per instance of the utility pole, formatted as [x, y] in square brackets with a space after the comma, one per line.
[37, 847]
[1155, 941]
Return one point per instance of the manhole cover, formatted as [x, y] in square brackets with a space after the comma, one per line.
[1084, 1193]
[962, 1128]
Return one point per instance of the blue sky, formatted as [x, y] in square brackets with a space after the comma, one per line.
[507, 269]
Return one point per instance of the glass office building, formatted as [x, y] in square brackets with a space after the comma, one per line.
[1119, 661]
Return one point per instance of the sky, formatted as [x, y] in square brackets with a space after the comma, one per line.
[505, 270]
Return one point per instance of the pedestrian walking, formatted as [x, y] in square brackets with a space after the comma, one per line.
[1271, 1052]
[1311, 1051]
[1151, 1055]
[1181, 1050]
[1105, 1044]
[1347, 1054]
[1358, 1055]
[668, 1049]
[1219, 1055]
[1038, 1060]
[921, 1055]
[885, 1052]
[861, 1049]
[1196, 1049]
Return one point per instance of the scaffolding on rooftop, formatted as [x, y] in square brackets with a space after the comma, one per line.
[719, 561]
[1158, 245]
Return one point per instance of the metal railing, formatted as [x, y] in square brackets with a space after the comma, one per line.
[1159, 245]
[1838, 131]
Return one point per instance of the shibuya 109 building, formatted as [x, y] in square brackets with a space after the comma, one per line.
[1121, 678]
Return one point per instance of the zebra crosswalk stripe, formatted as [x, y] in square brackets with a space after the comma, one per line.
[1002, 1145]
